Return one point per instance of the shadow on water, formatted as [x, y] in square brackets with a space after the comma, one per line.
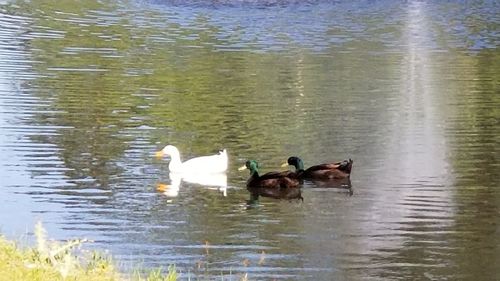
[276, 193]
[332, 183]
[336, 185]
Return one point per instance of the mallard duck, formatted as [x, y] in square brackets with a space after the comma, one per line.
[327, 171]
[204, 164]
[277, 185]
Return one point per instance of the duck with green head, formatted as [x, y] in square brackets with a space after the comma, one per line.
[327, 171]
[279, 185]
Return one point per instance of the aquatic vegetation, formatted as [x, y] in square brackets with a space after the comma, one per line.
[156, 275]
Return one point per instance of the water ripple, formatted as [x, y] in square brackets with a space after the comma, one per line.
[88, 93]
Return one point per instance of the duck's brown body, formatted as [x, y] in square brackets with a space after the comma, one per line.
[339, 170]
[279, 185]
[327, 171]
[273, 180]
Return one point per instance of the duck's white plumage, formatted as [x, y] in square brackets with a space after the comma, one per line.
[204, 164]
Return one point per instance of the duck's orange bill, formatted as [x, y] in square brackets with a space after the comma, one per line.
[161, 187]
[159, 154]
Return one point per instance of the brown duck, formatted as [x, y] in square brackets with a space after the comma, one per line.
[278, 185]
[327, 171]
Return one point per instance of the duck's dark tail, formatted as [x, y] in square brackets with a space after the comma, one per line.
[346, 166]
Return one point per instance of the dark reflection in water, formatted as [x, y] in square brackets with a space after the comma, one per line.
[409, 90]
[333, 183]
[276, 193]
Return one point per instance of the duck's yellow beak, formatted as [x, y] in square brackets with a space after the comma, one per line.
[284, 165]
[159, 154]
[161, 187]
[242, 168]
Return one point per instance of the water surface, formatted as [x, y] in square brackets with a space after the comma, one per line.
[410, 91]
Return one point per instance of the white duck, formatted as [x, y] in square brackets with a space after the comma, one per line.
[204, 164]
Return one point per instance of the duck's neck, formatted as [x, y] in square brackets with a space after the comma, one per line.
[299, 166]
[254, 176]
[175, 164]
[254, 173]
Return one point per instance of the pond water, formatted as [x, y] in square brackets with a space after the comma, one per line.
[408, 89]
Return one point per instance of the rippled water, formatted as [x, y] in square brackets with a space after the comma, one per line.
[410, 91]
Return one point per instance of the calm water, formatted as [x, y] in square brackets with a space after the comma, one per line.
[408, 89]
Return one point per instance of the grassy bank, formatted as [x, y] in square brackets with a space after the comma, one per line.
[52, 260]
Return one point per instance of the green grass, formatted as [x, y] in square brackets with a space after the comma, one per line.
[53, 260]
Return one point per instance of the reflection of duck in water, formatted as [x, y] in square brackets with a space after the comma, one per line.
[278, 185]
[327, 171]
[210, 181]
[334, 183]
[204, 164]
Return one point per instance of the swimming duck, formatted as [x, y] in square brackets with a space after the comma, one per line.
[273, 184]
[268, 180]
[327, 171]
[204, 164]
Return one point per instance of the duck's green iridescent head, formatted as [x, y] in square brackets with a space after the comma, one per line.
[251, 165]
[296, 162]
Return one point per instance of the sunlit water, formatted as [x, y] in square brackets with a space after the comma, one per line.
[409, 90]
